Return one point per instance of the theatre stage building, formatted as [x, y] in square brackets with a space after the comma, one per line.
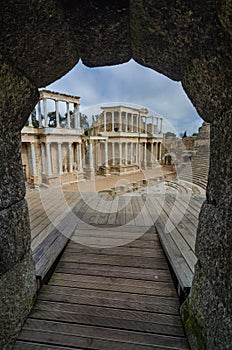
[132, 140]
[57, 151]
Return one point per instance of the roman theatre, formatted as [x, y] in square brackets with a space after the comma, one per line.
[154, 270]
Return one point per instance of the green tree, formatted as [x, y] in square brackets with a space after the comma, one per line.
[169, 134]
[183, 135]
[84, 121]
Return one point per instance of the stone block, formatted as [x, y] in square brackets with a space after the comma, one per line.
[17, 295]
[213, 249]
[18, 97]
[15, 235]
[207, 320]
[12, 184]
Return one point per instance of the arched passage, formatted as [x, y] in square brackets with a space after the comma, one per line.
[40, 42]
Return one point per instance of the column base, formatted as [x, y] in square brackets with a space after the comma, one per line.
[34, 180]
[89, 173]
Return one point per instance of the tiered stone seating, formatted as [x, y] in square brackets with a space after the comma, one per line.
[196, 171]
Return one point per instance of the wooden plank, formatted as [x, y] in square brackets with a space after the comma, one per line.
[158, 288]
[25, 345]
[103, 338]
[123, 261]
[121, 300]
[105, 317]
[114, 271]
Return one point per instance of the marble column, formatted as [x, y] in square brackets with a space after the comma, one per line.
[145, 154]
[137, 123]
[131, 124]
[126, 122]
[120, 121]
[43, 158]
[157, 124]
[33, 159]
[30, 121]
[126, 154]
[120, 152]
[156, 151]
[106, 154]
[68, 114]
[77, 121]
[104, 119]
[145, 125]
[39, 113]
[91, 155]
[112, 121]
[113, 153]
[57, 114]
[152, 151]
[70, 157]
[161, 124]
[160, 152]
[136, 154]
[48, 156]
[45, 112]
[79, 158]
[60, 158]
[152, 125]
[131, 152]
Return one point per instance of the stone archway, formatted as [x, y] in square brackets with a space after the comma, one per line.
[41, 41]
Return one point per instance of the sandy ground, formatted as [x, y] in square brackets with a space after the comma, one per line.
[100, 183]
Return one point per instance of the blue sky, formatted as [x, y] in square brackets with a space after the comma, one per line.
[131, 83]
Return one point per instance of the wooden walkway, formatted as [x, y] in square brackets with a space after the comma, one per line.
[112, 288]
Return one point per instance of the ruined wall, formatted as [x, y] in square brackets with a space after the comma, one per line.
[187, 41]
[17, 275]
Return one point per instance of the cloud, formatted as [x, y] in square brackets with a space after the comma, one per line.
[131, 83]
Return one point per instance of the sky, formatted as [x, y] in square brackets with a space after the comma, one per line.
[131, 83]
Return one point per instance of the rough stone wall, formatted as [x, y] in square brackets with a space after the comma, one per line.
[207, 313]
[186, 40]
[17, 276]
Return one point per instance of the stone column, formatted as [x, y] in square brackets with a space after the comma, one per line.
[43, 158]
[17, 271]
[126, 154]
[106, 154]
[145, 155]
[68, 114]
[157, 124]
[136, 153]
[57, 114]
[91, 155]
[113, 153]
[152, 151]
[137, 123]
[112, 121]
[39, 113]
[30, 121]
[60, 158]
[120, 152]
[104, 120]
[131, 125]
[126, 122]
[120, 121]
[156, 151]
[45, 112]
[161, 124]
[79, 157]
[152, 125]
[145, 125]
[33, 159]
[48, 156]
[77, 121]
[70, 157]
[160, 151]
[131, 152]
